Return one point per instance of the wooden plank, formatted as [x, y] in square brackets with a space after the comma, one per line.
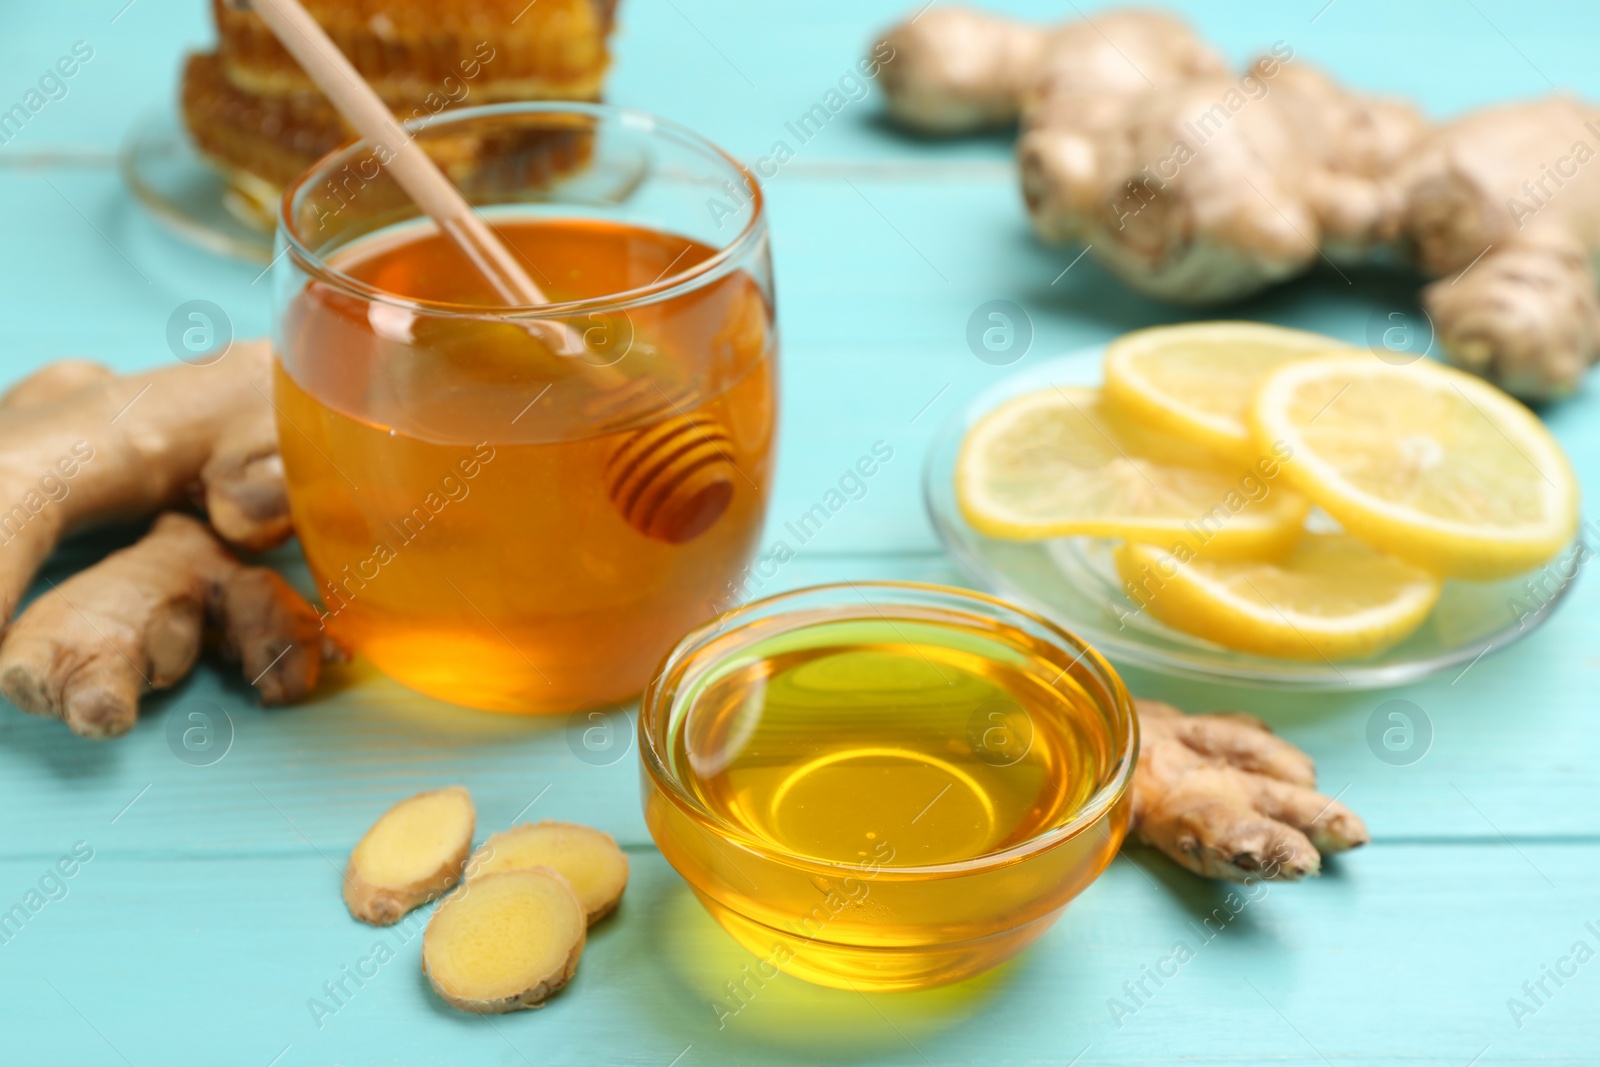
[163, 959]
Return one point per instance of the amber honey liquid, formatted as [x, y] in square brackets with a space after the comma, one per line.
[447, 476]
[892, 743]
[874, 800]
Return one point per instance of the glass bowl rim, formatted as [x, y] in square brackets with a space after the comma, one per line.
[1118, 781]
[692, 277]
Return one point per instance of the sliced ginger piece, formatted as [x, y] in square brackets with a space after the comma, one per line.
[588, 859]
[411, 855]
[504, 941]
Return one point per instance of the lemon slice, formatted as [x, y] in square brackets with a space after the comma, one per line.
[1330, 598]
[1057, 463]
[1196, 380]
[1422, 461]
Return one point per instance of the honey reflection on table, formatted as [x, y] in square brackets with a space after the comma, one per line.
[746, 998]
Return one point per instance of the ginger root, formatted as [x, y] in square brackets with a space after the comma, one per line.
[1502, 204]
[121, 447]
[1193, 183]
[1197, 184]
[81, 446]
[1224, 798]
[504, 941]
[956, 69]
[413, 854]
[588, 859]
[86, 650]
[1189, 200]
[53, 381]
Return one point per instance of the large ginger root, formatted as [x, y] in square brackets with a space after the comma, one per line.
[1211, 188]
[1224, 798]
[411, 855]
[1193, 183]
[957, 69]
[53, 381]
[121, 447]
[588, 859]
[86, 650]
[1505, 204]
[80, 446]
[1196, 185]
[504, 941]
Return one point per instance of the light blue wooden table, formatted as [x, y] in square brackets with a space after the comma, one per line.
[208, 916]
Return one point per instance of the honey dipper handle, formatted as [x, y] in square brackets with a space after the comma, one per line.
[421, 179]
[671, 480]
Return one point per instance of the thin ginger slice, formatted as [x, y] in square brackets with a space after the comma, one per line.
[413, 854]
[587, 858]
[504, 941]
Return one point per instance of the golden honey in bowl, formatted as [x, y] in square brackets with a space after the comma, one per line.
[879, 737]
[889, 794]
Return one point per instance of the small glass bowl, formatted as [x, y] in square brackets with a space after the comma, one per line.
[1074, 581]
[879, 926]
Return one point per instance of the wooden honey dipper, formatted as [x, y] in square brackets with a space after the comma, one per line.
[672, 479]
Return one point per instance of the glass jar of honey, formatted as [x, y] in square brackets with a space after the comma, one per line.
[490, 518]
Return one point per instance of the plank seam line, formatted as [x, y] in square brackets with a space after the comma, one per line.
[908, 169]
[73, 156]
[278, 853]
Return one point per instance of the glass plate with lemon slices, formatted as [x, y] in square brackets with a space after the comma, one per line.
[1183, 520]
